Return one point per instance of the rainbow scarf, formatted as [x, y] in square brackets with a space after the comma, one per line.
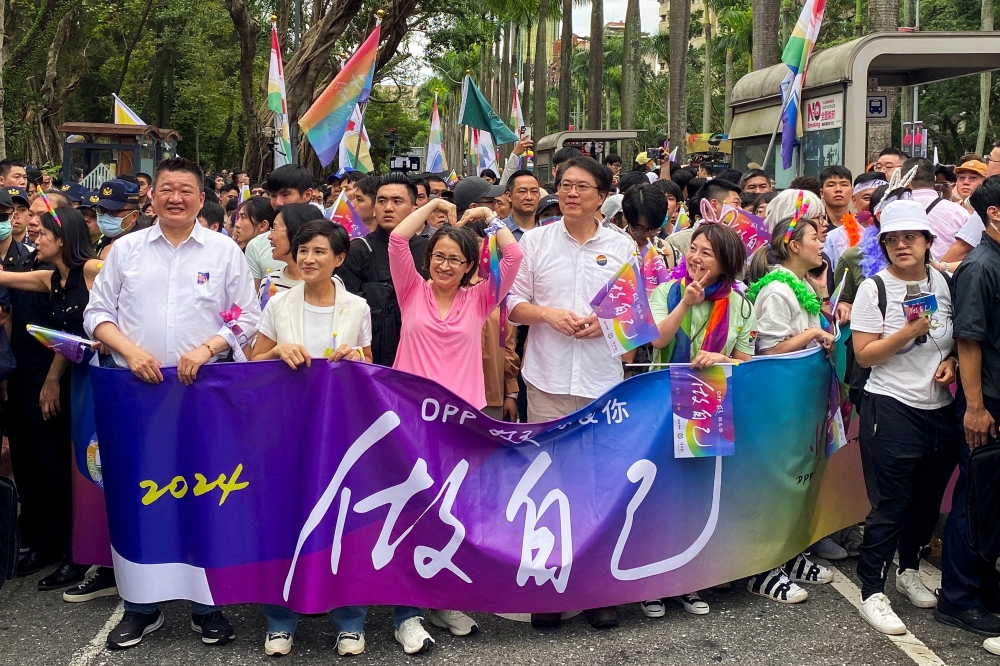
[681, 350]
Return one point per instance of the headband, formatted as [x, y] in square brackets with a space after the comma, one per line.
[801, 208]
[869, 185]
[896, 181]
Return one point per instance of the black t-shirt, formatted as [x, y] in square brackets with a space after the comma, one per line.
[976, 298]
[30, 307]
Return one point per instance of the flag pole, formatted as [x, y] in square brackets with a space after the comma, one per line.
[364, 107]
[770, 145]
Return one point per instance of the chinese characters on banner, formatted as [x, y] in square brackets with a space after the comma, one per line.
[702, 402]
[622, 308]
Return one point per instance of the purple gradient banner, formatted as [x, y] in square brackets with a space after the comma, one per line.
[346, 484]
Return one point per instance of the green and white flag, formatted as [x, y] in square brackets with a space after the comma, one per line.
[475, 112]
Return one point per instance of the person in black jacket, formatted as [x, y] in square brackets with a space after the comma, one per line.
[365, 272]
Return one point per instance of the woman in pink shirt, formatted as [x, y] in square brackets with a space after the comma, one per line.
[444, 316]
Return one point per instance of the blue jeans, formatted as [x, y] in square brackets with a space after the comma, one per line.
[149, 609]
[352, 618]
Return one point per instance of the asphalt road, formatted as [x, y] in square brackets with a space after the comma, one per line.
[39, 628]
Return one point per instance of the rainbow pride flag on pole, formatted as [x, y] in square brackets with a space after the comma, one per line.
[278, 103]
[354, 153]
[435, 143]
[326, 120]
[622, 308]
[125, 115]
[343, 213]
[796, 56]
[71, 347]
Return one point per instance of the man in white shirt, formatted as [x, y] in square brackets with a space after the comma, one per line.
[567, 364]
[158, 301]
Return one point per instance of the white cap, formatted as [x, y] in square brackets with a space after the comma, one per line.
[612, 205]
[904, 215]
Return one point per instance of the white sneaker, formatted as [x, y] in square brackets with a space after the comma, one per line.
[457, 622]
[804, 570]
[413, 637]
[350, 642]
[693, 604]
[908, 584]
[992, 645]
[653, 608]
[278, 643]
[828, 550]
[877, 611]
[775, 585]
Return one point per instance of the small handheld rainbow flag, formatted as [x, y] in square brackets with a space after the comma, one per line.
[451, 179]
[70, 346]
[48, 206]
[654, 270]
[622, 308]
[326, 120]
[244, 194]
[343, 213]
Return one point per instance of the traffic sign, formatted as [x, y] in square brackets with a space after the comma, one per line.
[877, 108]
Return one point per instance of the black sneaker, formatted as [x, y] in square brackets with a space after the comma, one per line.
[133, 628]
[213, 627]
[100, 582]
[977, 620]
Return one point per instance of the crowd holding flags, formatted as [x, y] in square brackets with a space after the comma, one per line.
[277, 102]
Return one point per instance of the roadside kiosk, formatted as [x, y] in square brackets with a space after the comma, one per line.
[105, 150]
[841, 97]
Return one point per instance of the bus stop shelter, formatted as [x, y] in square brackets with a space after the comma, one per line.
[840, 97]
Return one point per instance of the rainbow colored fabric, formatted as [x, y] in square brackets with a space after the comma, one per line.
[277, 102]
[343, 213]
[326, 120]
[622, 307]
[796, 56]
[69, 346]
[435, 143]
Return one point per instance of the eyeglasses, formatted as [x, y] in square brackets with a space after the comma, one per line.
[581, 188]
[643, 231]
[454, 262]
[907, 239]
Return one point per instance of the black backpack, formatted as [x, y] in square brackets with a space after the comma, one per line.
[10, 542]
[854, 375]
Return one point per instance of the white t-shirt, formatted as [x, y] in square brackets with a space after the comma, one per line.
[317, 326]
[779, 315]
[909, 375]
[278, 282]
[258, 254]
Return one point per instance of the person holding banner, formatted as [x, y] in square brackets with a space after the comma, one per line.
[787, 301]
[64, 242]
[566, 364]
[909, 429]
[175, 294]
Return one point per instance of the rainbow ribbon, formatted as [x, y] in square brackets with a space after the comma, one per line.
[48, 205]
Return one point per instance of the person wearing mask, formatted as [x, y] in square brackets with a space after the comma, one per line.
[909, 431]
[366, 271]
[287, 223]
[157, 302]
[523, 194]
[970, 594]
[566, 365]
[253, 220]
[363, 199]
[117, 213]
[437, 184]
[66, 247]
[702, 320]
[10, 249]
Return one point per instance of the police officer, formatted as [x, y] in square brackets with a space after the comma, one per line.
[117, 213]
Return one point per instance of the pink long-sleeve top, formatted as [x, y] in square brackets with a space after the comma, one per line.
[448, 351]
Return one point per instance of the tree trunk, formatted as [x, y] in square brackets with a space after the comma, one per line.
[538, 105]
[985, 83]
[130, 46]
[631, 54]
[3, 126]
[247, 29]
[706, 92]
[765, 32]
[680, 22]
[565, 60]
[883, 16]
[526, 74]
[728, 117]
[596, 73]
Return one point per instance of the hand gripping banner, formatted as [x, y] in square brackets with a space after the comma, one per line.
[346, 483]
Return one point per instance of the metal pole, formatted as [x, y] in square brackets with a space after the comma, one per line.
[770, 145]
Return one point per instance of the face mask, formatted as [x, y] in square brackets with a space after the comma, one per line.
[5, 229]
[109, 225]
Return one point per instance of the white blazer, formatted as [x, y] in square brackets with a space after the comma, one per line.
[289, 314]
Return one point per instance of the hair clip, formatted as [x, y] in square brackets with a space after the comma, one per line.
[801, 208]
[48, 206]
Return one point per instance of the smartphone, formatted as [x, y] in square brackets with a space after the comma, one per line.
[524, 133]
[654, 153]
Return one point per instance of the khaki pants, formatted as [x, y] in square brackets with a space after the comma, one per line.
[544, 406]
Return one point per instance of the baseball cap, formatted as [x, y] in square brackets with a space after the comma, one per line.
[91, 201]
[904, 215]
[18, 193]
[5, 201]
[972, 166]
[76, 192]
[116, 194]
[612, 205]
[546, 201]
[470, 190]
[642, 157]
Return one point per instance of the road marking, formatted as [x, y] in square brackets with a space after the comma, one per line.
[86, 655]
[911, 646]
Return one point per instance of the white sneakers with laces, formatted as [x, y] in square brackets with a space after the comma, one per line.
[350, 642]
[457, 622]
[877, 611]
[413, 637]
[278, 643]
[992, 645]
[908, 584]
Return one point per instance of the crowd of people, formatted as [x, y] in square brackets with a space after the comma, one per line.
[145, 265]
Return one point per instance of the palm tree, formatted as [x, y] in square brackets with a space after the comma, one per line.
[631, 59]
[680, 22]
[597, 63]
[735, 38]
[538, 103]
[565, 55]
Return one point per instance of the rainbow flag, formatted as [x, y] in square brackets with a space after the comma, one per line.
[451, 179]
[64, 344]
[654, 269]
[796, 56]
[124, 115]
[435, 161]
[277, 102]
[343, 213]
[622, 308]
[355, 146]
[516, 116]
[326, 120]
[485, 152]
[244, 194]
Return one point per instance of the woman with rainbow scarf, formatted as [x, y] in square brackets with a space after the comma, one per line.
[703, 320]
